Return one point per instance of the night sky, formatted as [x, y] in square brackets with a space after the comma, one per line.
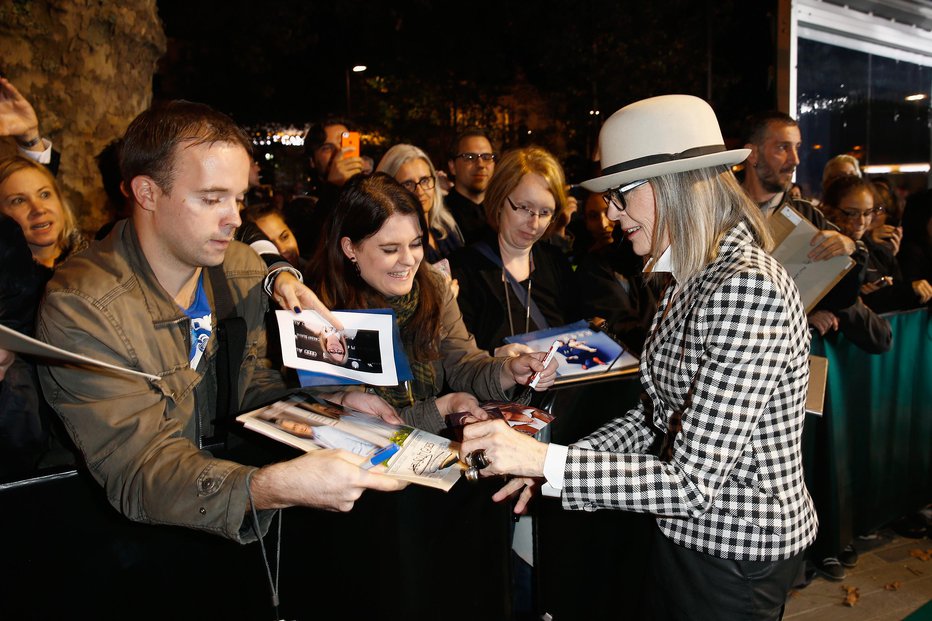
[285, 62]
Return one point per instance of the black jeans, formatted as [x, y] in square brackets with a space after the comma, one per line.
[685, 584]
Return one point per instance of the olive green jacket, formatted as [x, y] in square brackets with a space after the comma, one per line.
[140, 438]
[462, 367]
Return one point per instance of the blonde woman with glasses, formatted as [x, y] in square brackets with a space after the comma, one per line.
[509, 283]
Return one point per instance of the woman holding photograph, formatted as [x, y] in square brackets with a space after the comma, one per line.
[371, 258]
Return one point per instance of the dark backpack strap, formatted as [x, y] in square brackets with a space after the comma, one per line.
[231, 347]
[520, 292]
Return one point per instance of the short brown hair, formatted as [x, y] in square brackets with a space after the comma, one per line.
[149, 145]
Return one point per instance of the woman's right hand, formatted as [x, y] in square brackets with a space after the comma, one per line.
[887, 235]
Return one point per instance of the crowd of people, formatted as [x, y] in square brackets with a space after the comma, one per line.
[671, 250]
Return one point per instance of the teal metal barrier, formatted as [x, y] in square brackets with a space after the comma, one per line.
[874, 445]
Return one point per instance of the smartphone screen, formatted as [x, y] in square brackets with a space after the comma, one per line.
[351, 140]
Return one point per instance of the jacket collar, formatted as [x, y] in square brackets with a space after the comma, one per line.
[161, 306]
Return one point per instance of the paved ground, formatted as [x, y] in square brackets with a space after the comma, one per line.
[883, 561]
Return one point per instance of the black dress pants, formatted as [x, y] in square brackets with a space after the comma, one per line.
[688, 585]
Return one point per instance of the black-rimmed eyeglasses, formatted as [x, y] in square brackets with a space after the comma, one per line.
[472, 158]
[616, 196]
[543, 215]
[425, 183]
[854, 214]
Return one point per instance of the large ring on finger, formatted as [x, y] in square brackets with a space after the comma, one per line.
[477, 459]
[481, 460]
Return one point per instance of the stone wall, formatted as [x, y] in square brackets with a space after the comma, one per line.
[86, 66]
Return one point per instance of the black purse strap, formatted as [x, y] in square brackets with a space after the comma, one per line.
[231, 347]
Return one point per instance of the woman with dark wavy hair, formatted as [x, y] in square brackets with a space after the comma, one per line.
[372, 259]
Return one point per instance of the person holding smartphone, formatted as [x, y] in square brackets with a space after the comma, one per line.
[332, 164]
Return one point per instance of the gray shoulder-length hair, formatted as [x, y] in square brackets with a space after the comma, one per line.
[697, 208]
[439, 218]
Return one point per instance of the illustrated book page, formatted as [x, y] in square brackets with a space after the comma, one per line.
[308, 423]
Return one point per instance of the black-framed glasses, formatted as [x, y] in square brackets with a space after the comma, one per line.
[853, 214]
[616, 196]
[425, 183]
[472, 158]
[543, 215]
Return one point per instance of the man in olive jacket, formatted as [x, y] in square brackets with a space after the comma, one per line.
[141, 298]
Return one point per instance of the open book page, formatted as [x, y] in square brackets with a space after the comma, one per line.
[363, 351]
[20, 343]
[581, 352]
[793, 235]
[307, 423]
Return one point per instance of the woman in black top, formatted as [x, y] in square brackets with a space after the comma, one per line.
[509, 283]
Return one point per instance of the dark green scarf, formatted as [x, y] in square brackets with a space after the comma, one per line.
[422, 386]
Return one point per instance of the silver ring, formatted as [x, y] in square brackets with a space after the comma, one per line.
[477, 460]
[471, 473]
[482, 461]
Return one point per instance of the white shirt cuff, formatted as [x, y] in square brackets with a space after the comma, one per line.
[554, 466]
[40, 157]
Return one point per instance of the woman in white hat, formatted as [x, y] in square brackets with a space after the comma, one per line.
[713, 450]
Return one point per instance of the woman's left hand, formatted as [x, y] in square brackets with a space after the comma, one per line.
[371, 404]
[508, 451]
[456, 402]
[522, 368]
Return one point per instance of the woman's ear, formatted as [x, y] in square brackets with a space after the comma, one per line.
[347, 246]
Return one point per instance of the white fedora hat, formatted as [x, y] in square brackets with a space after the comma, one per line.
[659, 136]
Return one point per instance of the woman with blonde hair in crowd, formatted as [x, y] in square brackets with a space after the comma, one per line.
[30, 195]
[37, 232]
[411, 167]
[509, 283]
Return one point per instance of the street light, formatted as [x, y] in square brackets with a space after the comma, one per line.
[355, 69]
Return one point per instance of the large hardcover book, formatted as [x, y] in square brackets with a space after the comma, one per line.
[308, 423]
[793, 235]
[581, 352]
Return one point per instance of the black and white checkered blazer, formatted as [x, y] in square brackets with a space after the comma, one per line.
[731, 353]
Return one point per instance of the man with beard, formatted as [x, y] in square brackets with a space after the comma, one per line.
[774, 140]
